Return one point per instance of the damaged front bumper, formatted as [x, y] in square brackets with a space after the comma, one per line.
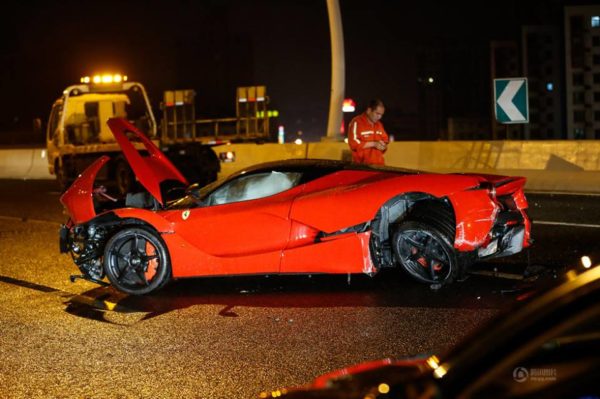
[85, 243]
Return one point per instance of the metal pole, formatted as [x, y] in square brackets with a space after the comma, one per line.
[338, 70]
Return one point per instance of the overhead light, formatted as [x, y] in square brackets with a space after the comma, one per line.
[104, 79]
[348, 105]
[586, 261]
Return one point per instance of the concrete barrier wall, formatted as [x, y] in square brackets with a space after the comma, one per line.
[570, 166]
[504, 155]
[252, 154]
[476, 155]
[24, 163]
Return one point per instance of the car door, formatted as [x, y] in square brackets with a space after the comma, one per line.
[245, 221]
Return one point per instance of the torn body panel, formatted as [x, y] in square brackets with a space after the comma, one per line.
[492, 219]
[475, 214]
[348, 253]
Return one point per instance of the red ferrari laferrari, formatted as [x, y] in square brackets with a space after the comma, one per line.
[295, 216]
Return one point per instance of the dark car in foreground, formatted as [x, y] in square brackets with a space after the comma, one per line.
[546, 347]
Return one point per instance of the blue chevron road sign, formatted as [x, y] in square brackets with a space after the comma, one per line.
[511, 100]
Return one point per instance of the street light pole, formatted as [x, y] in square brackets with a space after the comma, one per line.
[338, 70]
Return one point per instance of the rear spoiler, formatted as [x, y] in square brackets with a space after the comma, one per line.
[501, 185]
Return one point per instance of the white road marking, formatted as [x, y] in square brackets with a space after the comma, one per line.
[593, 226]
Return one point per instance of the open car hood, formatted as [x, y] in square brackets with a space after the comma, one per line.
[152, 171]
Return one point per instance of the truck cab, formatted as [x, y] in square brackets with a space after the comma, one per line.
[77, 133]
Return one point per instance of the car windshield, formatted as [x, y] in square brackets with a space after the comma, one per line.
[241, 188]
[194, 195]
[253, 186]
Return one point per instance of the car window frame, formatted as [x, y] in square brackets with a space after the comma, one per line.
[206, 200]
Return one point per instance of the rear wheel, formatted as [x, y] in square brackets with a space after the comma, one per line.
[136, 261]
[425, 253]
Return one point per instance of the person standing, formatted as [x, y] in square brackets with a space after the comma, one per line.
[367, 138]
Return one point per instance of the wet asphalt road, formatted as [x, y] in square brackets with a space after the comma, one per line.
[233, 337]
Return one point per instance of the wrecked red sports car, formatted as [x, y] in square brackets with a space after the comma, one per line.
[295, 216]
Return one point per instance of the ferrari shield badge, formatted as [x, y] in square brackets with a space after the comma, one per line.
[185, 214]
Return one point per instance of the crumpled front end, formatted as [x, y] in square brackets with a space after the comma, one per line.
[85, 243]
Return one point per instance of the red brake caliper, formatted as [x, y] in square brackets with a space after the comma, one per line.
[152, 263]
[421, 260]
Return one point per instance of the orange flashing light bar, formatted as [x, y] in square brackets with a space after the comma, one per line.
[104, 79]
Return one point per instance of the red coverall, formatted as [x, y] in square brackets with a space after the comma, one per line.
[360, 131]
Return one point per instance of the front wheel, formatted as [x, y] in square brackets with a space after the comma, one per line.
[425, 253]
[136, 261]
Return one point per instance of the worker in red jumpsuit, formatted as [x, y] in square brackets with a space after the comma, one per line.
[367, 137]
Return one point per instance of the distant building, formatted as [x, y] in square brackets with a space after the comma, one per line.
[541, 64]
[582, 71]
[452, 82]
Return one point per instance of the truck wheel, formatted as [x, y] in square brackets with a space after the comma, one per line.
[61, 177]
[124, 177]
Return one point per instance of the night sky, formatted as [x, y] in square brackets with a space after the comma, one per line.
[215, 46]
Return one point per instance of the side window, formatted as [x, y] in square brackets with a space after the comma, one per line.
[136, 110]
[92, 117]
[53, 122]
[254, 186]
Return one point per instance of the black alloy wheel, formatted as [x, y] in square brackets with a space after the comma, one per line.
[425, 253]
[136, 261]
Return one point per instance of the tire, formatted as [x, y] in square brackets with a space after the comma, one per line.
[136, 261]
[435, 214]
[64, 182]
[124, 177]
[425, 252]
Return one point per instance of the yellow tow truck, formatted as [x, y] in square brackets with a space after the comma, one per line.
[77, 133]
